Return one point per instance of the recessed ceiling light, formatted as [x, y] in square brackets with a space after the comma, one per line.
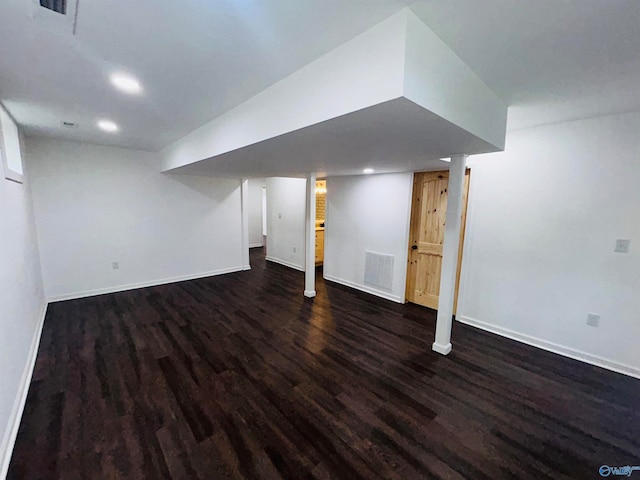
[446, 159]
[126, 83]
[367, 170]
[108, 126]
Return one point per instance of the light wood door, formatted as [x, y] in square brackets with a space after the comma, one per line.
[428, 215]
[319, 247]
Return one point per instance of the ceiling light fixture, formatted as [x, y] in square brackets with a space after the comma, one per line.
[108, 126]
[446, 159]
[367, 171]
[126, 83]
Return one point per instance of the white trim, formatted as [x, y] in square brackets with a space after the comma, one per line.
[256, 245]
[442, 349]
[151, 283]
[309, 293]
[9, 440]
[285, 263]
[246, 267]
[366, 289]
[554, 347]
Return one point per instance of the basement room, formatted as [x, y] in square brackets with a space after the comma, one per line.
[319, 239]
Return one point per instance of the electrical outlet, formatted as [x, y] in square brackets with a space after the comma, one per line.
[593, 319]
[622, 245]
[279, 215]
[115, 265]
[295, 249]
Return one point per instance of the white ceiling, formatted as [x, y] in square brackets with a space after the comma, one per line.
[550, 60]
[195, 58]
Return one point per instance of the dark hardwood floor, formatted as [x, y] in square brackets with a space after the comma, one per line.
[240, 376]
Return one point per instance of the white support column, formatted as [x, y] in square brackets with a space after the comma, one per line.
[244, 226]
[310, 239]
[450, 254]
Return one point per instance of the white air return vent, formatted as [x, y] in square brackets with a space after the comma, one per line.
[378, 270]
[59, 6]
[59, 16]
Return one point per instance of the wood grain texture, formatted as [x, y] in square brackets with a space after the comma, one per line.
[426, 237]
[319, 247]
[240, 376]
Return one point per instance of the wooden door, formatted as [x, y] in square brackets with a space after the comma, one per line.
[428, 215]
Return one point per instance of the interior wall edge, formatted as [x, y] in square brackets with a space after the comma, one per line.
[9, 440]
[563, 350]
[366, 289]
[151, 283]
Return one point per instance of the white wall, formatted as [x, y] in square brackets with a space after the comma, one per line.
[255, 211]
[22, 305]
[367, 213]
[96, 205]
[543, 220]
[286, 199]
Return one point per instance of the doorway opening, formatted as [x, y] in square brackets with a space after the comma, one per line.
[321, 209]
[426, 237]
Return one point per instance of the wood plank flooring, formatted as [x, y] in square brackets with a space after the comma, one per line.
[240, 376]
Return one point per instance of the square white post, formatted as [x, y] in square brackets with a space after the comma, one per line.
[450, 254]
[310, 239]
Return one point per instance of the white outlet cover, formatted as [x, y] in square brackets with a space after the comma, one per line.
[622, 245]
[593, 319]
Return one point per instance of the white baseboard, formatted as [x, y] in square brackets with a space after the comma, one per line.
[9, 440]
[366, 289]
[255, 245]
[285, 263]
[309, 293]
[152, 283]
[554, 347]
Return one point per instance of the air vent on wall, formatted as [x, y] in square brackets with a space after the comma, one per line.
[378, 270]
[59, 16]
[59, 6]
